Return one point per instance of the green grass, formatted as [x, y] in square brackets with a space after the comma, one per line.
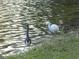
[64, 48]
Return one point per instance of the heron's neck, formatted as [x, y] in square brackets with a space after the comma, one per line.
[27, 32]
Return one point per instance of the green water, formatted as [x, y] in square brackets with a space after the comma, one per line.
[68, 13]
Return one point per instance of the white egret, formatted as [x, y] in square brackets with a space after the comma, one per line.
[52, 28]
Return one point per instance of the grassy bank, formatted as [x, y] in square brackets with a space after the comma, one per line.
[64, 48]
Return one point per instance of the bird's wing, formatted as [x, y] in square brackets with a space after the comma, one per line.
[54, 27]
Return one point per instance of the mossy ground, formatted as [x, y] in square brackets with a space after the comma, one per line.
[64, 48]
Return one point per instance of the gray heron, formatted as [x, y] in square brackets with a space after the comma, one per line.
[27, 39]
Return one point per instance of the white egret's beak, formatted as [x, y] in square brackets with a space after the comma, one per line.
[47, 23]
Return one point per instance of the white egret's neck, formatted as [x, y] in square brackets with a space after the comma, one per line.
[49, 26]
